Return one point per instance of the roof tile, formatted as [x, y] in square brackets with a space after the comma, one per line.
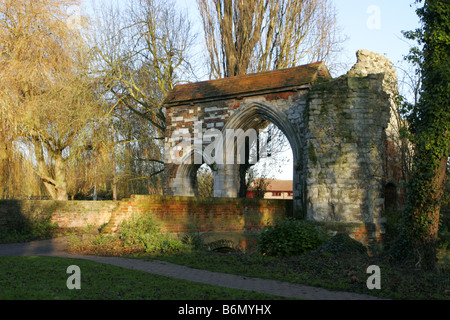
[248, 84]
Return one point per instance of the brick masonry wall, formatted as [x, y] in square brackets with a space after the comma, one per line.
[189, 214]
[217, 218]
[174, 214]
[67, 214]
[79, 214]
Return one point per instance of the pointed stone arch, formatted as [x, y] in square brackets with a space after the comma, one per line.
[185, 175]
[255, 115]
[243, 118]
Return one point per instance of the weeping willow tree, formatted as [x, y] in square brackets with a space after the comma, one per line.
[17, 180]
[46, 99]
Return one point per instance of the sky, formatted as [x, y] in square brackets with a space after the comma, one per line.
[375, 25]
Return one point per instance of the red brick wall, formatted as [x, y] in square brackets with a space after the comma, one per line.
[67, 214]
[177, 214]
[174, 214]
[185, 214]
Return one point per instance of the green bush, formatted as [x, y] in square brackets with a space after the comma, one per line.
[35, 226]
[443, 240]
[290, 237]
[193, 240]
[142, 231]
[392, 224]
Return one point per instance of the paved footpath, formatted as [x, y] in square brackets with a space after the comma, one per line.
[56, 247]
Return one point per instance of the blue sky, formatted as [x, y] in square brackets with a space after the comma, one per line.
[375, 25]
[358, 20]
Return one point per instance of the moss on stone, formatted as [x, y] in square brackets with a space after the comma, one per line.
[312, 154]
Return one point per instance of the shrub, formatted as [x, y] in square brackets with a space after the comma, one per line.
[193, 240]
[142, 231]
[392, 225]
[443, 240]
[36, 225]
[289, 237]
[343, 243]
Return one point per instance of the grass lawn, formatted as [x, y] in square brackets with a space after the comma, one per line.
[44, 278]
[343, 272]
[336, 272]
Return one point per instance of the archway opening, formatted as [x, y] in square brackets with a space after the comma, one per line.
[263, 144]
[271, 177]
[271, 148]
[205, 181]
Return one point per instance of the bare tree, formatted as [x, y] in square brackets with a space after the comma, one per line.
[261, 35]
[142, 52]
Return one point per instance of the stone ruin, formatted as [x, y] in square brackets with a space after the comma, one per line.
[343, 133]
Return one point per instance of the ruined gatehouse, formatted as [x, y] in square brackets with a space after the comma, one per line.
[343, 133]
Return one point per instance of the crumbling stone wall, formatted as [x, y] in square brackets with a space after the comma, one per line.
[347, 121]
[353, 144]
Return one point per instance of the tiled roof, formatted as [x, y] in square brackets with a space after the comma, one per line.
[249, 84]
[278, 185]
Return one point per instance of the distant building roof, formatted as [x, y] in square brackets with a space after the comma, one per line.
[278, 185]
[248, 84]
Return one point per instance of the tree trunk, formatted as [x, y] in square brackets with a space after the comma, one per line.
[113, 163]
[57, 186]
[3, 168]
[426, 245]
[60, 178]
